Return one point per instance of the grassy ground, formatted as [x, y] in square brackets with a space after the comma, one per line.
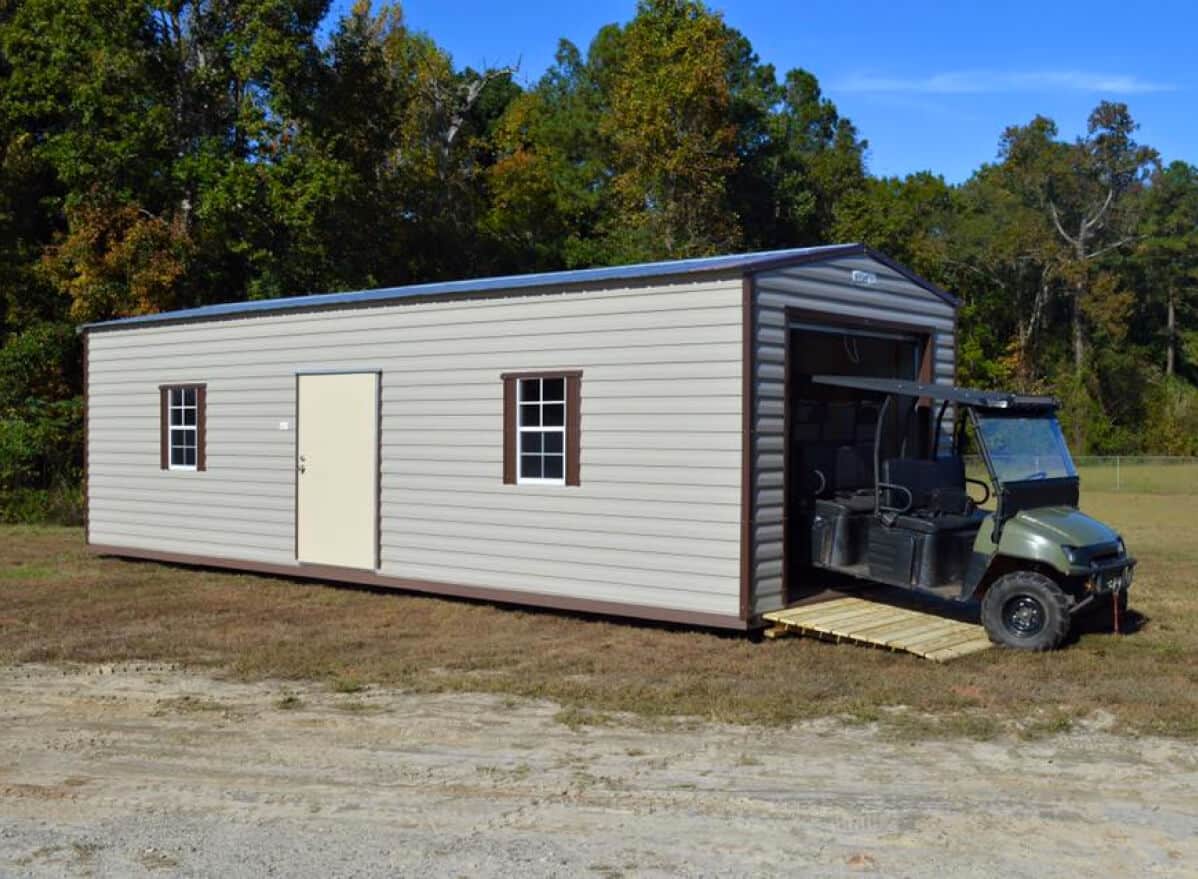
[58, 604]
[1153, 476]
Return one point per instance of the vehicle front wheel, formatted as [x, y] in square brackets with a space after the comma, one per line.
[1027, 611]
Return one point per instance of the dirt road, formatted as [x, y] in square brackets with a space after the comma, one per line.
[141, 770]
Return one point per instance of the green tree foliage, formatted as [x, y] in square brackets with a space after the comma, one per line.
[668, 138]
[1168, 258]
[157, 154]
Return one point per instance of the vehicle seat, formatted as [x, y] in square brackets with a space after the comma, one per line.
[937, 487]
[854, 482]
[940, 523]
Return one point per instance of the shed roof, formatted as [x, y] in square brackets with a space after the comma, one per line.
[743, 262]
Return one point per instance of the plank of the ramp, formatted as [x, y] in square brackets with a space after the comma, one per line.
[873, 624]
[961, 645]
[824, 610]
[883, 625]
[961, 632]
[946, 637]
[935, 630]
[911, 627]
[963, 649]
[841, 614]
[853, 626]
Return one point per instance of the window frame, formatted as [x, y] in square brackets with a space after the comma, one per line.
[540, 428]
[167, 429]
[570, 429]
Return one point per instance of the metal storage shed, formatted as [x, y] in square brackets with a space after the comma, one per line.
[613, 440]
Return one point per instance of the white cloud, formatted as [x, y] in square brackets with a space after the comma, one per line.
[973, 82]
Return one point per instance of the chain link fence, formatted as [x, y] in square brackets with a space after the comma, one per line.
[1144, 474]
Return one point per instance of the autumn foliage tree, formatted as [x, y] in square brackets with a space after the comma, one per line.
[157, 154]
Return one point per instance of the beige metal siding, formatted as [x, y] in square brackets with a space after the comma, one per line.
[826, 287]
[655, 521]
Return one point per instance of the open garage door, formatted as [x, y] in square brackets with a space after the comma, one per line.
[831, 430]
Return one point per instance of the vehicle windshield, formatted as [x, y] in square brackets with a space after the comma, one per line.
[1023, 447]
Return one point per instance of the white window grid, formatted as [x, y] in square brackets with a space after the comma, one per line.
[541, 446]
[183, 447]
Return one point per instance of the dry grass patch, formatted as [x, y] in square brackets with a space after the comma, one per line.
[107, 610]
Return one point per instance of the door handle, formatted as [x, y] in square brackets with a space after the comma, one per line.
[302, 466]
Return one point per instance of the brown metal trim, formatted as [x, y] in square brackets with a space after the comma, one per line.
[202, 428]
[164, 419]
[573, 378]
[164, 435]
[370, 578]
[378, 470]
[746, 448]
[574, 429]
[509, 430]
[786, 386]
[86, 448]
[543, 373]
[295, 507]
[927, 367]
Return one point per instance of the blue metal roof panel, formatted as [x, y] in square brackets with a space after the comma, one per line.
[640, 271]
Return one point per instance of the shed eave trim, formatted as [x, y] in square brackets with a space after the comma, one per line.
[731, 265]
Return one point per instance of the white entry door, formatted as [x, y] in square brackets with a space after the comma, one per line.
[337, 464]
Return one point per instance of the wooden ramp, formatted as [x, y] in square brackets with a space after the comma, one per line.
[883, 625]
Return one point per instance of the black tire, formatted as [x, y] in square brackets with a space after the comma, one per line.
[1026, 610]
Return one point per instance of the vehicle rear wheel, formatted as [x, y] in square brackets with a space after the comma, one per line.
[1027, 611]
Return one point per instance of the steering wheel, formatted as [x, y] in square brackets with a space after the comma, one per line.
[1039, 474]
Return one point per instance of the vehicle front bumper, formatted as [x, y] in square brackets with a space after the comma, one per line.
[1110, 575]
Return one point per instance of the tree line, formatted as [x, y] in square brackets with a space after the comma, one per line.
[158, 154]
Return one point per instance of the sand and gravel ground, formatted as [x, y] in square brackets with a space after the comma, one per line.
[141, 769]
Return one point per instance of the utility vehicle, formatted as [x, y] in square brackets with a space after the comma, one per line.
[1034, 560]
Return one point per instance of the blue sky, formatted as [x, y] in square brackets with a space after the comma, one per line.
[931, 85]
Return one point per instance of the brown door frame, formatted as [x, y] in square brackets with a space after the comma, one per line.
[926, 374]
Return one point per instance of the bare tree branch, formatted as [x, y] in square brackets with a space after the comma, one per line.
[992, 278]
[458, 102]
[1128, 240]
[1056, 219]
[1093, 223]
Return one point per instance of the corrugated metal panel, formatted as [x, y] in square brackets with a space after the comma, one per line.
[669, 271]
[653, 523]
[826, 287]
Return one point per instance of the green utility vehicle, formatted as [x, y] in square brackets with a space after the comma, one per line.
[1034, 560]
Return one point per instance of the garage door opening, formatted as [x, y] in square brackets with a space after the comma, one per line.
[832, 429]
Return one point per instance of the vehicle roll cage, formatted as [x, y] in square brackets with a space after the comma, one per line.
[967, 398]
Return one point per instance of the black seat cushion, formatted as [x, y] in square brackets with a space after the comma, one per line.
[950, 499]
[945, 522]
[849, 502]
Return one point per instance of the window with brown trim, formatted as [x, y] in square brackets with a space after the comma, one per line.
[182, 427]
[542, 418]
